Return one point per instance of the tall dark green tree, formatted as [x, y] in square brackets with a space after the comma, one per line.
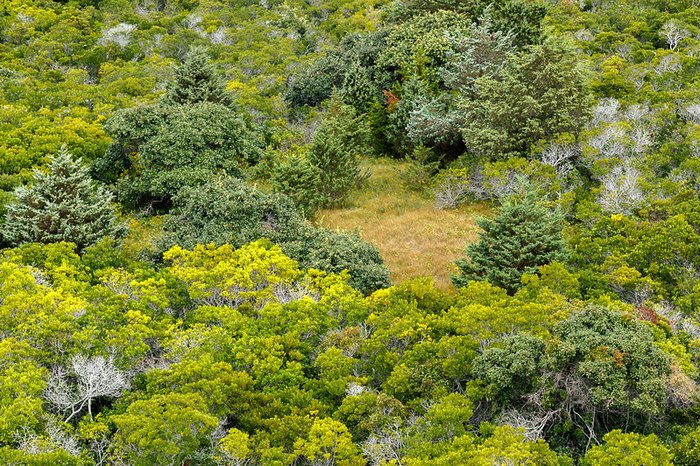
[538, 95]
[358, 89]
[192, 134]
[504, 101]
[63, 204]
[299, 180]
[336, 149]
[524, 235]
[197, 80]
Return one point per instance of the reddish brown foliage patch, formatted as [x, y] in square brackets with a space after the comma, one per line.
[648, 314]
[391, 99]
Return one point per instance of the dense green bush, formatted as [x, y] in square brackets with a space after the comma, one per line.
[601, 365]
[337, 251]
[227, 211]
[192, 134]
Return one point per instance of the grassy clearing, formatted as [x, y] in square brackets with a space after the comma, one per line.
[414, 238]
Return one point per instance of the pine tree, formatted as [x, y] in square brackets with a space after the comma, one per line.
[336, 149]
[300, 181]
[193, 133]
[196, 80]
[522, 237]
[61, 205]
[358, 89]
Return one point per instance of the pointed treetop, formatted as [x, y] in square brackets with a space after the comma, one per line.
[62, 204]
[197, 80]
[523, 236]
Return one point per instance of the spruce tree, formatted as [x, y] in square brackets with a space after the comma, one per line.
[336, 149]
[192, 134]
[197, 80]
[358, 89]
[522, 237]
[299, 180]
[61, 205]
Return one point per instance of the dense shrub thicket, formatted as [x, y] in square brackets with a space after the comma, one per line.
[167, 299]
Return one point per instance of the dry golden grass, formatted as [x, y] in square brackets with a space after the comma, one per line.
[414, 238]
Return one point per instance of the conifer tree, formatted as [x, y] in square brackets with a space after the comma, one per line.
[197, 80]
[358, 89]
[336, 149]
[522, 237]
[299, 180]
[193, 133]
[61, 205]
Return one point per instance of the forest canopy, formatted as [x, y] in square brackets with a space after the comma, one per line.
[173, 290]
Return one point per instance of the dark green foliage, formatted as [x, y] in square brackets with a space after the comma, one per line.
[614, 356]
[521, 237]
[190, 145]
[437, 119]
[63, 204]
[316, 84]
[299, 180]
[510, 368]
[482, 52]
[504, 103]
[129, 129]
[399, 110]
[226, 210]
[335, 151]
[350, 69]
[196, 80]
[539, 95]
[600, 371]
[358, 89]
[521, 18]
[330, 169]
[337, 251]
[184, 140]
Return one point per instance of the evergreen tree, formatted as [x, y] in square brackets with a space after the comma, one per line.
[316, 82]
[358, 89]
[536, 96]
[189, 136]
[62, 205]
[196, 80]
[336, 149]
[522, 237]
[299, 180]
